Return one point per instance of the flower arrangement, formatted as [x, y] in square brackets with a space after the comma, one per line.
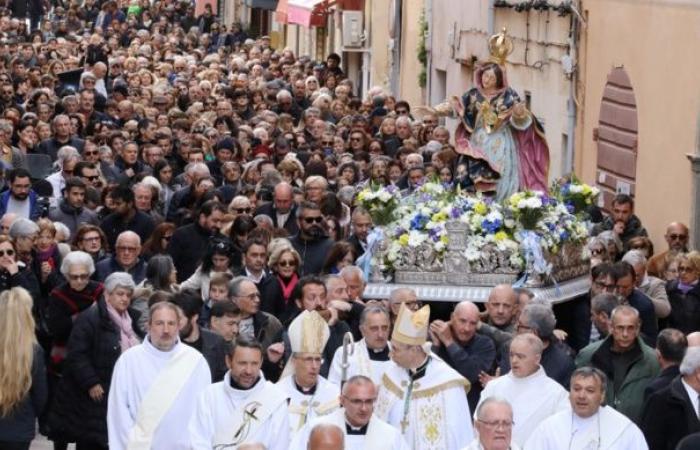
[421, 219]
[576, 195]
[380, 201]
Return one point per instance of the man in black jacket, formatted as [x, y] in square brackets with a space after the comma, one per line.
[61, 128]
[209, 344]
[460, 346]
[671, 345]
[672, 413]
[188, 244]
[361, 225]
[126, 217]
[282, 210]
[311, 243]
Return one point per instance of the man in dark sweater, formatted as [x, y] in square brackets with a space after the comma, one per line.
[459, 345]
[126, 217]
[311, 243]
[188, 244]
[670, 350]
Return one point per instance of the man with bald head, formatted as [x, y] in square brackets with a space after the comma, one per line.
[502, 307]
[125, 259]
[326, 437]
[533, 395]
[282, 209]
[458, 344]
[693, 339]
[677, 239]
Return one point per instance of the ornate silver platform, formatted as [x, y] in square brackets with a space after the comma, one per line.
[561, 292]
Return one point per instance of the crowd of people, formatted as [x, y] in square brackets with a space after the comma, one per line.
[179, 241]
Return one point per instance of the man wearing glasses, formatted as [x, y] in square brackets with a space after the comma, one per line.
[534, 396]
[362, 429]
[494, 426]
[125, 259]
[311, 243]
[677, 239]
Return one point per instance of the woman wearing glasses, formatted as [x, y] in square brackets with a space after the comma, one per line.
[14, 273]
[684, 294]
[284, 264]
[91, 240]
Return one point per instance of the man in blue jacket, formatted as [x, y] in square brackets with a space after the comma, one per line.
[20, 198]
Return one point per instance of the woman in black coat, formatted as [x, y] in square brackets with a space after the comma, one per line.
[684, 295]
[100, 335]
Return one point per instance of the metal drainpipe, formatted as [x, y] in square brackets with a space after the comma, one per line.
[571, 103]
[491, 18]
[429, 55]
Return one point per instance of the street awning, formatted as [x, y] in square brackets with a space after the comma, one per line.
[281, 12]
[307, 13]
[262, 4]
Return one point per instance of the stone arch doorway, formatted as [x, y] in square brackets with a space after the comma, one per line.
[616, 135]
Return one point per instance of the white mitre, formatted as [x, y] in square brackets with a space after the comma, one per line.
[411, 328]
[308, 333]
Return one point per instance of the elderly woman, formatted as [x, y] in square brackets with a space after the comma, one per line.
[100, 335]
[91, 240]
[24, 233]
[598, 250]
[67, 301]
[684, 294]
[653, 287]
[613, 244]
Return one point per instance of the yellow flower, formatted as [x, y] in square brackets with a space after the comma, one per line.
[501, 236]
[439, 217]
[444, 239]
[403, 239]
[586, 189]
[480, 208]
[361, 196]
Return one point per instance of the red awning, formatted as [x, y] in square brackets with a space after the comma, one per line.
[281, 12]
[307, 13]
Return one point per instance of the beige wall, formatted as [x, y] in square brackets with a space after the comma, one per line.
[377, 24]
[460, 31]
[409, 89]
[655, 42]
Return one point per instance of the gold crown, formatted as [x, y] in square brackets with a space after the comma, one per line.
[500, 46]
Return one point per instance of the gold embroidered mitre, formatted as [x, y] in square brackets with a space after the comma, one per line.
[500, 46]
[308, 333]
[411, 328]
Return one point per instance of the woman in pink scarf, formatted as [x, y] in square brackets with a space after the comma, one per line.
[100, 335]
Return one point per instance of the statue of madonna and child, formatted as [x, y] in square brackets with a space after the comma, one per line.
[501, 145]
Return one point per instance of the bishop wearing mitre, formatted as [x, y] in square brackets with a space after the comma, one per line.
[310, 394]
[419, 393]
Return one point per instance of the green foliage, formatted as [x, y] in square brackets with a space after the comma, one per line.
[422, 51]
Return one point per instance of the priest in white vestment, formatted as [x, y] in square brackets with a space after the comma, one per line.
[362, 429]
[531, 393]
[420, 394]
[155, 386]
[493, 426]
[587, 425]
[244, 408]
[310, 395]
[370, 355]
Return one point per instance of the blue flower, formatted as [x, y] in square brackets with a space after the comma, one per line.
[491, 227]
[419, 221]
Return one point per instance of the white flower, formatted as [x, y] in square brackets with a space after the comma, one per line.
[415, 238]
[471, 253]
[384, 196]
[439, 246]
[575, 188]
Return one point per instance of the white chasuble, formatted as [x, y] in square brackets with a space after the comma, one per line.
[152, 394]
[476, 445]
[432, 413]
[305, 407]
[226, 417]
[359, 363]
[533, 398]
[605, 430]
[380, 435]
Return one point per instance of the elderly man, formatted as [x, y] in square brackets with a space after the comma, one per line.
[311, 243]
[67, 158]
[368, 357]
[363, 430]
[62, 136]
[310, 394]
[354, 279]
[315, 188]
[539, 319]
[626, 360]
[154, 387]
[602, 306]
[677, 239]
[402, 296]
[653, 287]
[671, 413]
[420, 392]
[282, 209]
[253, 323]
[223, 413]
[326, 437]
[588, 424]
[494, 425]
[361, 225]
[533, 394]
[458, 344]
[671, 346]
[125, 259]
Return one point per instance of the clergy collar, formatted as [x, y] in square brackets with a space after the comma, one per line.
[310, 391]
[419, 372]
[349, 429]
[378, 355]
[238, 387]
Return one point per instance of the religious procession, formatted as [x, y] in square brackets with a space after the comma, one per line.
[349, 224]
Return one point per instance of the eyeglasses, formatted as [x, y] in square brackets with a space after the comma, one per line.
[327, 143]
[243, 210]
[250, 297]
[128, 249]
[358, 402]
[497, 424]
[92, 153]
[8, 252]
[92, 239]
[356, 139]
[166, 238]
[78, 276]
[401, 111]
[678, 237]
[597, 251]
[92, 177]
[685, 269]
[311, 220]
[287, 263]
[608, 287]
